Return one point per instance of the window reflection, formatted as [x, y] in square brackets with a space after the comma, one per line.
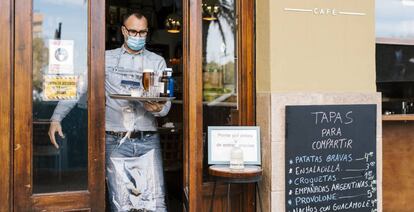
[219, 66]
[59, 75]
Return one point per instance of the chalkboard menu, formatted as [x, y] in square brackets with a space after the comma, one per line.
[331, 158]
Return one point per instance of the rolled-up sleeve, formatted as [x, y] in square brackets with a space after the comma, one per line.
[164, 111]
[62, 109]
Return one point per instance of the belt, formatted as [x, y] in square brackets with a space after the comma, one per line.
[134, 134]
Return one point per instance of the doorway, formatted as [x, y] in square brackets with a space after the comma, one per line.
[165, 39]
[212, 59]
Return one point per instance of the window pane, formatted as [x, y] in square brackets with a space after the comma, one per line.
[395, 19]
[60, 35]
[219, 65]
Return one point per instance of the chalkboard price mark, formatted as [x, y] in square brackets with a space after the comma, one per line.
[355, 177]
[355, 170]
[366, 156]
[353, 196]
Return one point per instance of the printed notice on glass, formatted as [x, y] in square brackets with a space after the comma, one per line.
[58, 88]
[330, 158]
[222, 139]
[60, 57]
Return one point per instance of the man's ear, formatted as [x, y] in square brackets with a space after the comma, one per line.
[124, 32]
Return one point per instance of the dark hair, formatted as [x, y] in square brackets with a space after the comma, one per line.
[137, 14]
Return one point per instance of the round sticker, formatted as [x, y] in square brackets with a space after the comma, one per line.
[61, 54]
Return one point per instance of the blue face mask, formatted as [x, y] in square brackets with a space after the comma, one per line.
[136, 43]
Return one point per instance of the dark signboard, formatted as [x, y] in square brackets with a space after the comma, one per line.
[331, 158]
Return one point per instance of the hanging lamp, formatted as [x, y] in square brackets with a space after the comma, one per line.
[211, 9]
[173, 22]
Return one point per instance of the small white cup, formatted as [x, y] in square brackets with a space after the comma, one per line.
[136, 92]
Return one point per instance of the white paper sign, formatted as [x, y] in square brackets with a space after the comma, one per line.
[222, 139]
[60, 57]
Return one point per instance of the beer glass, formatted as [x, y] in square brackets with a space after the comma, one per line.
[147, 81]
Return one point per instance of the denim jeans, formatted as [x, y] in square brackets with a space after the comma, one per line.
[135, 147]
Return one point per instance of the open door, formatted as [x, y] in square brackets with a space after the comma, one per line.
[218, 91]
[59, 55]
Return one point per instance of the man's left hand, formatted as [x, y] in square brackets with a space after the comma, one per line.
[153, 106]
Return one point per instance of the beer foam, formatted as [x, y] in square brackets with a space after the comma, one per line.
[148, 70]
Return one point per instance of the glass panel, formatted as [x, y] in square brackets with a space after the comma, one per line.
[60, 43]
[395, 19]
[395, 55]
[219, 66]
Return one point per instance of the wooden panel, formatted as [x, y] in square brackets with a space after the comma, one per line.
[23, 108]
[247, 81]
[96, 105]
[193, 115]
[5, 103]
[186, 143]
[398, 166]
[61, 201]
[246, 52]
[220, 197]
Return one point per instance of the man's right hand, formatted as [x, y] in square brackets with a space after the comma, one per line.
[55, 127]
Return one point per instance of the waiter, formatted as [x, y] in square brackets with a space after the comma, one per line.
[124, 67]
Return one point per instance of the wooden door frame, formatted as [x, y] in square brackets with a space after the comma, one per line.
[193, 108]
[193, 105]
[246, 63]
[6, 67]
[247, 85]
[94, 197]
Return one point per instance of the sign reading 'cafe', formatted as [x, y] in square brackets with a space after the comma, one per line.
[324, 11]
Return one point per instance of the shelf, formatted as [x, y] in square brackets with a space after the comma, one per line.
[393, 99]
[394, 81]
[398, 117]
[395, 41]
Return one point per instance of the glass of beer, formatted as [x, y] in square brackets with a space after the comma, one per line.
[147, 81]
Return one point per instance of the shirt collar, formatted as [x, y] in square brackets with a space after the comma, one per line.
[124, 51]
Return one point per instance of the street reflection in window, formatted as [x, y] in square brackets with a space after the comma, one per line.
[60, 35]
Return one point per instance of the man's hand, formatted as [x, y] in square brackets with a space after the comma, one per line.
[55, 127]
[153, 106]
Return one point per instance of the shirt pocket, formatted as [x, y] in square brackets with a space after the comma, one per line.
[123, 80]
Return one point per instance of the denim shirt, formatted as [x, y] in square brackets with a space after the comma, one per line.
[121, 65]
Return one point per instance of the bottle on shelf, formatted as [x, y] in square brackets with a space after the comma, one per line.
[171, 84]
[164, 82]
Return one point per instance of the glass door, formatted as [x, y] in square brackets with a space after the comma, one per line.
[218, 88]
[56, 56]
